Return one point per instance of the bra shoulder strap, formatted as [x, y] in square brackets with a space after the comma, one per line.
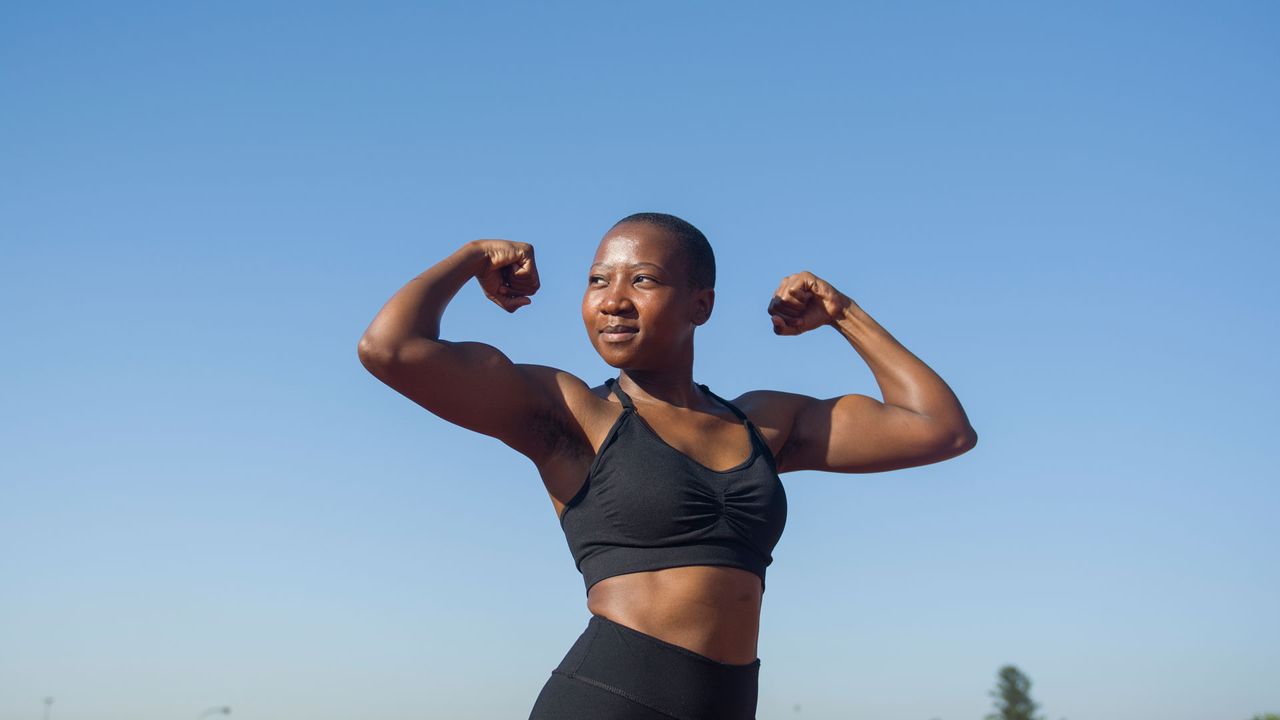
[752, 430]
[741, 415]
[622, 397]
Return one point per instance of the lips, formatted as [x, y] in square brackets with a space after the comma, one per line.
[615, 333]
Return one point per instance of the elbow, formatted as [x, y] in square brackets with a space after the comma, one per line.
[964, 441]
[944, 445]
[374, 356]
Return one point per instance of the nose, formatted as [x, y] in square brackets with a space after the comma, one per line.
[615, 299]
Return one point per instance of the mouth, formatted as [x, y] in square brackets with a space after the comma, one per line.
[617, 333]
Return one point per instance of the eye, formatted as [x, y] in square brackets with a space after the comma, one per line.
[644, 277]
[593, 278]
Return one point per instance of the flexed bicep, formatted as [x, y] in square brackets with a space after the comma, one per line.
[470, 384]
[476, 386]
[859, 434]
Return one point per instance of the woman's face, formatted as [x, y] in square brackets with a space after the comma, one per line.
[638, 288]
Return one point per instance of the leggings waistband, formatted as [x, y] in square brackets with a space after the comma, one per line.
[664, 676]
[645, 637]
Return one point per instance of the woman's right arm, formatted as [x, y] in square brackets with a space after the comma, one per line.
[470, 384]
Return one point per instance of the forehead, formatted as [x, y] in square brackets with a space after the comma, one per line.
[635, 243]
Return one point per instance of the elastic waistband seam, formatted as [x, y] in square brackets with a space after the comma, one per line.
[618, 691]
[712, 662]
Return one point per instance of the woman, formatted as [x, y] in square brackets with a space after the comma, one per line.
[671, 527]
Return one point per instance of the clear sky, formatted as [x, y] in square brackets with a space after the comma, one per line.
[1070, 211]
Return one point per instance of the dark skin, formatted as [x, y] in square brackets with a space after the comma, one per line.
[639, 278]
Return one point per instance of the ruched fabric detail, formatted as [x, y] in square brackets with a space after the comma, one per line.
[646, 506]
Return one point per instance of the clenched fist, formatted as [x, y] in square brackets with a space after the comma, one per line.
[509, 275]
[805, 301]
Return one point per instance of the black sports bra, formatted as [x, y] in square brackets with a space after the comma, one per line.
[646, 506]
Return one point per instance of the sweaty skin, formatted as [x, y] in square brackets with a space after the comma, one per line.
[637, 288]
[711, 610]
[637, 279]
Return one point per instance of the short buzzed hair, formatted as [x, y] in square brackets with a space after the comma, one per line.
[701, 262]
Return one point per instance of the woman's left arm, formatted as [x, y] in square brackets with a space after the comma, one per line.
[920, 421]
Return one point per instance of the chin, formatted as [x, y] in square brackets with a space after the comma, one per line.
[614, 359]
[620, 360]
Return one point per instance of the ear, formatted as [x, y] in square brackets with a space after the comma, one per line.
[703, 302]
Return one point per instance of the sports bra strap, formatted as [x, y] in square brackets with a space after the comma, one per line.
[626, 399]
[752, 430]
[623, 397]
[741, 415]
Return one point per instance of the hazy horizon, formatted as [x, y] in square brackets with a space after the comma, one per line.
[1070, 212]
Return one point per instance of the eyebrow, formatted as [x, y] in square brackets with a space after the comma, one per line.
[632, 265]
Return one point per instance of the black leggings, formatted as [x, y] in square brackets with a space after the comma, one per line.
[613, 672]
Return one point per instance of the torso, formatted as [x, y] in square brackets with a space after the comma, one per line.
[711, 610]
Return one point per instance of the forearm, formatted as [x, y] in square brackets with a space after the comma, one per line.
[904, 380]
[415, 310]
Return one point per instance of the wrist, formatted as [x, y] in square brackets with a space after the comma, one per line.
[852, 321]
[472, 257]
[842, 309]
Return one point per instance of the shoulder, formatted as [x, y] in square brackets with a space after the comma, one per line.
[570, 410]
[774, 413]
[771, 408]
[553, 379]
[565, 388]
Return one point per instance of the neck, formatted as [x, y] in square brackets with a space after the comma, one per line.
[673, 386]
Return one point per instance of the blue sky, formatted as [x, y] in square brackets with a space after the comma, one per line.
[1069, 211]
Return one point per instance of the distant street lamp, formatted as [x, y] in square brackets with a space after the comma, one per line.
[220, 710]
[48, 703]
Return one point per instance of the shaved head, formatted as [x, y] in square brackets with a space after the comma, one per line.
[700, 262]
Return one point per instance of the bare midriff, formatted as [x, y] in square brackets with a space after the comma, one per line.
[710, 610]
